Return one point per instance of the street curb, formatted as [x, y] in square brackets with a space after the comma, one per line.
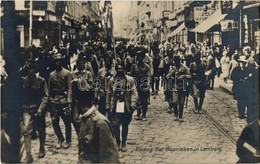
[226, 89]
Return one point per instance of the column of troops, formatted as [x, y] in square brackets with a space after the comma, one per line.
[101, 92]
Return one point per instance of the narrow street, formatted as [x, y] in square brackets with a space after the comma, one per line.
[65, 56]
[161, 139]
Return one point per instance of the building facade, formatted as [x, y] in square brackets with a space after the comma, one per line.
[53, 21]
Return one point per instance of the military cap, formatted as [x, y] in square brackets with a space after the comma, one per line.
[140, 53]
[57, 56]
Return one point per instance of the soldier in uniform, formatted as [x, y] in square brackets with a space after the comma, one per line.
[178, 75]
[96, 138]
[156, 73]
[142, 73]
[83, 79]
[121, 101]
[60, 98]
[198, 80]
[130, 59]
[104, 75]
[35, 99]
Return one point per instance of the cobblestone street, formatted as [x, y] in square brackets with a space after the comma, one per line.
[161, 139]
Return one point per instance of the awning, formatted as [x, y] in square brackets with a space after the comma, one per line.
[215, 18]
[177, 30]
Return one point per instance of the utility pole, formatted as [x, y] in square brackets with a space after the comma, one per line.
[30, 22]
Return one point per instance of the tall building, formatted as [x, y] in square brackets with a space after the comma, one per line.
[52, 21]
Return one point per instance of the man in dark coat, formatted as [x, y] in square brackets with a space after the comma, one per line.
[248, 143]
[238, 88]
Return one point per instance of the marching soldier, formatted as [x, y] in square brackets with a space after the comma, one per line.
[104, 75]
[35, 99]
[82, 79]
[121, 101]
[130, 59]
[60, 98]
[198, 80]
[142, 72]
[178, 75]
[156, 72]
[96, 138]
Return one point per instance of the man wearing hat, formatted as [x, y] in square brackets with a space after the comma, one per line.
[96, 137]
[104, 75]
[34, 101]
[121, 101]
[83, 79]
[252, 89]
[198, 80]
[60, 93]
[130, 59]
[142, 72]
[239, 88]
[178, 75]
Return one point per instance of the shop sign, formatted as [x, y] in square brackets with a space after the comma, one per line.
[200, 15]
[38, 13]
[226, 6]
[229, 25]
[166, 13]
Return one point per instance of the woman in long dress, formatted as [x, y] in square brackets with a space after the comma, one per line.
[225, 65]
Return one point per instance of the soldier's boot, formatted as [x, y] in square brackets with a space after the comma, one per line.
[42, 143]
[124, 148]
[200, 105]
[145, 108]
[175, 111]
[181, 107]
[27, 143]
[196, 105]
[138, 116]
[124, 137]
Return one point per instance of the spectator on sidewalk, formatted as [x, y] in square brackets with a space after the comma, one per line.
[239, 88]
[225, 65]
[233, 63]
[252, 90]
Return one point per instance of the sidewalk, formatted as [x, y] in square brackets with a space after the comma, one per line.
[219, 82]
